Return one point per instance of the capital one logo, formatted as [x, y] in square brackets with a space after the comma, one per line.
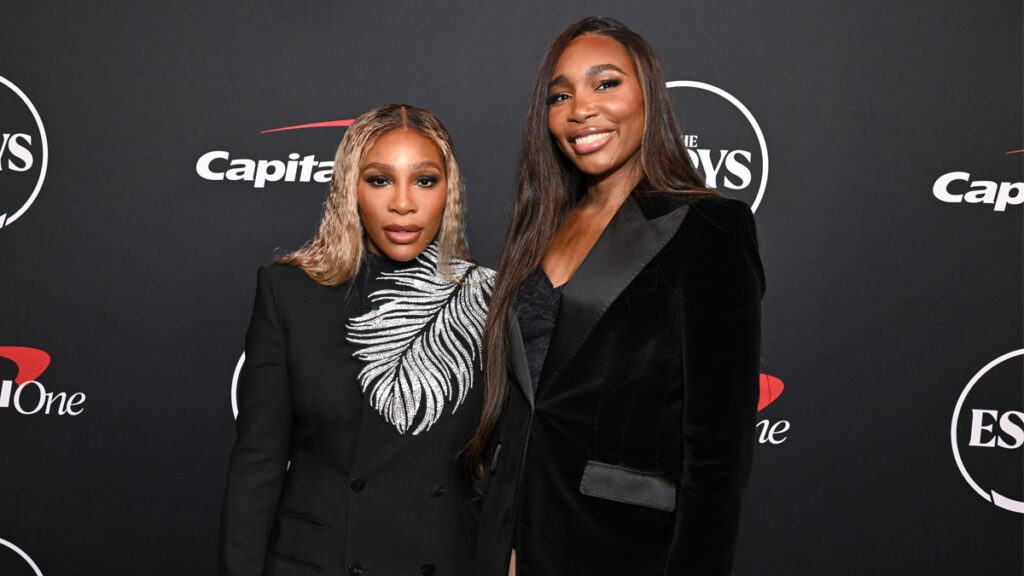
[26, 394]
[221, 165]
[769, 432]
[987, 432]
[956, 187]
[23, 153]
[15, 565]
[723, 138]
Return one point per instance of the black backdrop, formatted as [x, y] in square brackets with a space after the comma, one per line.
[886, 298]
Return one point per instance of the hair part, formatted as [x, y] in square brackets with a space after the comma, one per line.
[335, 253]
[550, 185]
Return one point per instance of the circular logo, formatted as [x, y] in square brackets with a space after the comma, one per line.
[987, 432]
[23, 153]
[234, 385]
[724, 140]
[10, 563]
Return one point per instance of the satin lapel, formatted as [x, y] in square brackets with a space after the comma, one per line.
[517, 355]
[625, 247]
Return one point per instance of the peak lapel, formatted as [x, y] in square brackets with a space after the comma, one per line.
[627, 245]
[517, 356]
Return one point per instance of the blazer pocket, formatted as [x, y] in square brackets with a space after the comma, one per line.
[627, 485]
[301, 540]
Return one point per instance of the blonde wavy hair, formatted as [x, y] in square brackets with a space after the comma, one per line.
[336, 252]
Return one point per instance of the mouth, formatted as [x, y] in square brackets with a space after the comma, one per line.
[403, 233]
[589, 140]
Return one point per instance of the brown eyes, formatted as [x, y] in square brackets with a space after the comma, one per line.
[381, 181]
[602, 85]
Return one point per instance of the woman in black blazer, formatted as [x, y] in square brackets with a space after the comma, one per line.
[622, 348]
[361, 378]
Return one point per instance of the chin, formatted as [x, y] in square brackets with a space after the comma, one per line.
[403, 252]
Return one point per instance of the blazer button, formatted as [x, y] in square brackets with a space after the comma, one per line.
[437, 491]
[357, 485]
[355, 569]
[428, 569]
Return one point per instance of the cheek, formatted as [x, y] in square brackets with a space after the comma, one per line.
[436, 206]
[369, 211]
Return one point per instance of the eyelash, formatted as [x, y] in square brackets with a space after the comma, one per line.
[378, 181]
[602, 85]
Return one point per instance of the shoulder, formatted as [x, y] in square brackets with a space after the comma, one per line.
[287, 281]
[720, 215]
[717, 251]
[472, 273]
[282, 276]
[277, 272]
[715, 222]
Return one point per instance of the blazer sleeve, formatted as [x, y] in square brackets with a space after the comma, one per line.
[260, 455]
[722, 287]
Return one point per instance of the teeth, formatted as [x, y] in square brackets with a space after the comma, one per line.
[591, 138]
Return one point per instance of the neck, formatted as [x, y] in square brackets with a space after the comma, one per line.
[611, 190]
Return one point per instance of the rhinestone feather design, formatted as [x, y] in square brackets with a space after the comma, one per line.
[420, 341]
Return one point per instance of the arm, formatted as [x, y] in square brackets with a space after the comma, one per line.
[260, 456]
[723, 282]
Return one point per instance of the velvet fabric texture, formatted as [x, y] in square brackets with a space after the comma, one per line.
[632, 455]
[319, 482]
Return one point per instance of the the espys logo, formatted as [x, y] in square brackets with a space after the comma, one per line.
[27, 395]
[220, 165]
[23, 153]
[14, 564]
[724, 140]
[957, 187]
[987, 432]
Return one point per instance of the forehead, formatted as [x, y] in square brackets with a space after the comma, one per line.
[403, 146]
[591, 50]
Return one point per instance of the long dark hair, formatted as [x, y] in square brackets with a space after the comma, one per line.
[550, 184]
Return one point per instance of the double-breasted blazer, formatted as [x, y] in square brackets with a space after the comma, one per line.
[319, 482]
[631, 453]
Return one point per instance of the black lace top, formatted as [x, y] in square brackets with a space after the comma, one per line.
[537, 310]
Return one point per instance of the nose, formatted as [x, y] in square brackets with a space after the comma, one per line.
[403, 201]
[583, 108]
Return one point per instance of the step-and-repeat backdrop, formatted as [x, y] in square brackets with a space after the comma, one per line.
[143, 179]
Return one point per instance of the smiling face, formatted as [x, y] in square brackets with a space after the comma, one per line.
[596, 109]
[401, 192]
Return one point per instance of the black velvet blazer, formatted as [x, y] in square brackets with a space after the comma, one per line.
[632, 455]
[319, 483]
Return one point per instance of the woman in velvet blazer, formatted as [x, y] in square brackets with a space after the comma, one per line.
[623, 336]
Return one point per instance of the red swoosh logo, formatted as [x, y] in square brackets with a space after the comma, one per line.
[1016, 151]
[331, 124]
[31, 362]
[771, 388]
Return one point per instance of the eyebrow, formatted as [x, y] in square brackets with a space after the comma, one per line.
[561, 79]
[413, 166]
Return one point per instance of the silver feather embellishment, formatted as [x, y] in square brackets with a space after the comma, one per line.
[420, 342]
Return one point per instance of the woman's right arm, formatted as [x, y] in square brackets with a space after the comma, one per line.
[260, 456]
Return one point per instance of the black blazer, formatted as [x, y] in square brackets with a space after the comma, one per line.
[632, 455]
[317, 477]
